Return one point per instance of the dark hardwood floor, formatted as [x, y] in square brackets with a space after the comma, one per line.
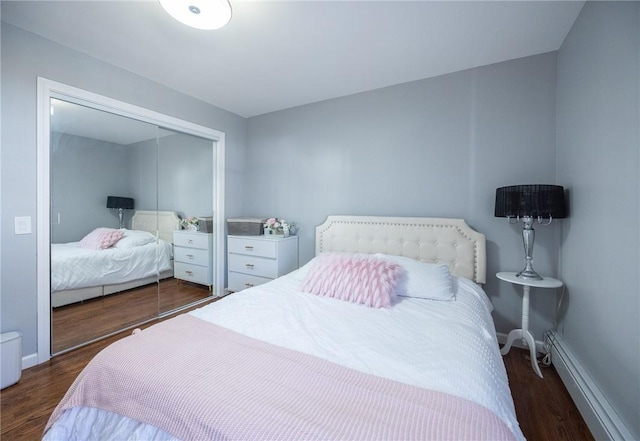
[543, 406]
[86, 321]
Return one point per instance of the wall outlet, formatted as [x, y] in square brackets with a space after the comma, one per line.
[22, 225]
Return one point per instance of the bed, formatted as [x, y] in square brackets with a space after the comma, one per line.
[280, 361]
[138, 259]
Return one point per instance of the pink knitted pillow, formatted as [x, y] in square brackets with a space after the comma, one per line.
[100, 238]
[363, 279]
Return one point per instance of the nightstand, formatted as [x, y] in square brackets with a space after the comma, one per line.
[254, 260]
[193, 257]
[523, 333]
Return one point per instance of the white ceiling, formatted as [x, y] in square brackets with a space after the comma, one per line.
[275, 55]
[74, 119]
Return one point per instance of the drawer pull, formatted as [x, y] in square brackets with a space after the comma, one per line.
[189, 273]
[249, 265]
[190, 256]
[248, 285]
[248, 247]
[190, 241]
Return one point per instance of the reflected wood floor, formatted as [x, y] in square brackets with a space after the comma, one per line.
[95, 318]
[543, 406]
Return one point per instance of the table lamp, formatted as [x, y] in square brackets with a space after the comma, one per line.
[529, 203]
[120, 204]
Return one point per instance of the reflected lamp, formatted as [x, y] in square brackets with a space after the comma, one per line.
[120, 203]
[529, 203]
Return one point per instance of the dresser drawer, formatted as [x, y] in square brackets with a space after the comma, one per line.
[252, 247]
[238, 282]
[191, 273]
[254, 260]
[191, 255]
[257, 266]
[191, 240]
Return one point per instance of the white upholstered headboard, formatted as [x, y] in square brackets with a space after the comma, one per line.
[435, 240]
[164, 222]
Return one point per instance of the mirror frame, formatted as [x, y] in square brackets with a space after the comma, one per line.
[48, 89]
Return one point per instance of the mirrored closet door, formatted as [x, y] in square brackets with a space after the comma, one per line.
[120, 188]
[186, 184]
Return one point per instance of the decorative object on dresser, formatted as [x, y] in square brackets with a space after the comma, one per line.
[530, 202]
[190, 223]
[279, 227]
[523, 333]
[246, 226]
[205, 224]
[193, 258]
[120, 203]
[253, 261]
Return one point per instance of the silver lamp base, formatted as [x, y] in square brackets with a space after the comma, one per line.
[528, 236]
[529, 273]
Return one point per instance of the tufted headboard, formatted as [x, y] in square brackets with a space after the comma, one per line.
[449, 241]
[162, 222]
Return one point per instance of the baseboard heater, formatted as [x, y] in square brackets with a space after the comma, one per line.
[601, 418]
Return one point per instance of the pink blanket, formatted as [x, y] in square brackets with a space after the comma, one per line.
[198, 381]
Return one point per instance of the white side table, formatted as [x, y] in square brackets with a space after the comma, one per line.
[524, 334]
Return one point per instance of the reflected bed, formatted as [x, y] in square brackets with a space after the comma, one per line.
[137, 259]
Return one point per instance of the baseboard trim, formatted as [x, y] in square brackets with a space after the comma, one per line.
[502, 339]
[601, 418]
[29, 361]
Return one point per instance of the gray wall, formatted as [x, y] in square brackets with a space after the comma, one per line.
[173, 173]
[186, 175]
[436, 147]
[598, 144]
[143, 184]
[84, 172]
[180, 166]
[24, 58]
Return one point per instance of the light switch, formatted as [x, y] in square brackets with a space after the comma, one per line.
[22, 225]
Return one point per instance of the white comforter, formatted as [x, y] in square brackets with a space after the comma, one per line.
[448, 346]
[73, 267]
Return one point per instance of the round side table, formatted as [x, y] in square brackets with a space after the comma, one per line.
[523, 333]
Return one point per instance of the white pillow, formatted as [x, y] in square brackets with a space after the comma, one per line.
[419, 279]
[423, 280]
[135, 238]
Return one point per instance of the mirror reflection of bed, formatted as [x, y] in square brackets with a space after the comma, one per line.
[98, 158]
[97, 292]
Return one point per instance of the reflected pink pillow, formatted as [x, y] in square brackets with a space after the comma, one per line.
[101, 239]
[363, 279]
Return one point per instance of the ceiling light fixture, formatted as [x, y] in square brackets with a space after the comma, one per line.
[199, 14]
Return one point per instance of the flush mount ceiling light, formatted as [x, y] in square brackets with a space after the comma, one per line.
[199, 14]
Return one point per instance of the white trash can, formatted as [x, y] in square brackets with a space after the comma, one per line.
[10, 358]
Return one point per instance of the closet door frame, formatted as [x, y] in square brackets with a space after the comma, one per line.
[48, 89]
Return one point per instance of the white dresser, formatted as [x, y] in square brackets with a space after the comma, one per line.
[193, 257]
[254, 260]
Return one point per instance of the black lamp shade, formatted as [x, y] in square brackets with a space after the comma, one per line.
[119, 202]
[546, 201]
